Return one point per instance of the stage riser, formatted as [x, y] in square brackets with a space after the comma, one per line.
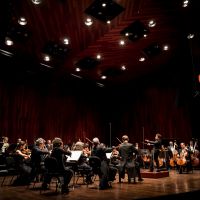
[155, 174]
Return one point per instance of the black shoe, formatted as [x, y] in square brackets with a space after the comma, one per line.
[64, 190]
[44, 186]
[140, 179]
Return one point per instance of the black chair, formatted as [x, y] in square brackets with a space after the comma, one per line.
[4, 174]
[52, 171]
[9, 169]
[83, 172]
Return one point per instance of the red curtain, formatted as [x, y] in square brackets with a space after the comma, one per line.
[29, 112]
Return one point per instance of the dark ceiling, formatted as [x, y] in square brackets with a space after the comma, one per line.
[49, 22]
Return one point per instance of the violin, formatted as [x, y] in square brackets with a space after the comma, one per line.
[26, 151]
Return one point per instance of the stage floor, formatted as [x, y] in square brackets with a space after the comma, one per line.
[175, 186]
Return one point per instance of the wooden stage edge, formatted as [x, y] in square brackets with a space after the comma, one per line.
[154, 174]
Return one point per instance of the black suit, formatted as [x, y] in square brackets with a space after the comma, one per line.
[155, 153]
[107, 173]
[127, 153]
[60, 155]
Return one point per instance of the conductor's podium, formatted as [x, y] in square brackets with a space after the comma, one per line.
[154, 174]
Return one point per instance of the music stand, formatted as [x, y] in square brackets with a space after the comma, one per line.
[75, 156]
[72, 160]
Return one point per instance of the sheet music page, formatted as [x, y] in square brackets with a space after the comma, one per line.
[74, 156]
[108, 155]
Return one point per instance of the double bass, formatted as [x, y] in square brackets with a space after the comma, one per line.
[173, 160]
[194, 156]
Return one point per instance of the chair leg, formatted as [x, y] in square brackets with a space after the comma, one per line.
[3, 181]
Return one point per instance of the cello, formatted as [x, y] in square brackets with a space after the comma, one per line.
[181, 160]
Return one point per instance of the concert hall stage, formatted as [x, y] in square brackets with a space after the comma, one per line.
[175, 186]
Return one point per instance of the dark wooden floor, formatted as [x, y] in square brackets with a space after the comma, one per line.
[176, 186]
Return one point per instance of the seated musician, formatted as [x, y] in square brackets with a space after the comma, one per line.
[184, 159]
[155, 152]
[172, 152]
[22, 158]
[59, 153]
[38, 154]
[127, 153]
[5, 144]
[83, 164]
[114, 158]
[107, 173]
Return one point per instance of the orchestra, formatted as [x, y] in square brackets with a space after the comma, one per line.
[181, 156]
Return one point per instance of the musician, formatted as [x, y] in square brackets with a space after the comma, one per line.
[60, 154]
[83, 164]
[184, 159]
[5, 144]
[49, 146]
[172, 153]
[22, 159]
[38, 154]
[106, 173]
[127, 153]
[114, 158]
[156, 150]
[194, 152]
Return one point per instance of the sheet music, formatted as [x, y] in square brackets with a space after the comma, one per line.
[108, 155]
[74, 156]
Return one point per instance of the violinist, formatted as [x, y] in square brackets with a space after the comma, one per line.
[83, 164]
[38, 154]
[59, 154]
[114, 158]
[23, 162]
[107, 173]
[22, 150]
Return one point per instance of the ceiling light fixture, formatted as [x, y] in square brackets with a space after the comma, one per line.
[88, 22]
[142, 59]
[47, 58]
[152, 23]
[22, 21]
[165, 47]
[66, 41]
[190, 36]
[122, 42]
[36, 1]
[98, 56]
[123, 67]
[78, 69]
[103, 77]
[8, 41]
[185, 3]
